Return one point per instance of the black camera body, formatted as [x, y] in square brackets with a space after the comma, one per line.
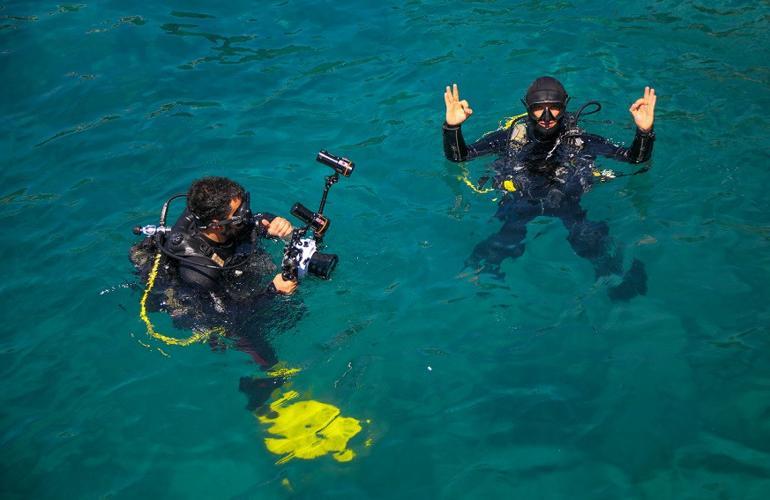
[301, 255]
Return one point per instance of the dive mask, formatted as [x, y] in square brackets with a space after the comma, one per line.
[545, 96]
[240, 218]
[548, 111]
[243, 215]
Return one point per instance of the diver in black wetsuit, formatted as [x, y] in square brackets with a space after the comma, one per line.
[214, 229]
[545, 164]
[214, 273]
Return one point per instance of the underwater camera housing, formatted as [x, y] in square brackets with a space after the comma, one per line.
[301, 255]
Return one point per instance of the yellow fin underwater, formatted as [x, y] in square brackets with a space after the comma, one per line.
[308, 429]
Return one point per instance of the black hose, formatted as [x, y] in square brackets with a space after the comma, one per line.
[584, 106]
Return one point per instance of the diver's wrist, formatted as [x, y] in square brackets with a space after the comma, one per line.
[646, 133]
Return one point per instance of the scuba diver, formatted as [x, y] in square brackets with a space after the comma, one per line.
[545, 163]
[209, 235]
[213, 273]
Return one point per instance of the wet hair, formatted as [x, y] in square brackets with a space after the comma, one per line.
[209, 198]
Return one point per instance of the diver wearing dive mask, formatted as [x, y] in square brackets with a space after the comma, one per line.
[218, 220]
[238, 221]
[545, 164]
[546, 101]
[211, 275]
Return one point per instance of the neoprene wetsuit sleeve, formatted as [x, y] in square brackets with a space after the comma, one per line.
[639, 152]
[455, 149]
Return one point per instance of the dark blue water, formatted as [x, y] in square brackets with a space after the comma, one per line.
[534, 386]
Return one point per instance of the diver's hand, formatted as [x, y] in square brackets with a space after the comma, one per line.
[282, 286]
[279, 227]
[643, 110]
[457, 111]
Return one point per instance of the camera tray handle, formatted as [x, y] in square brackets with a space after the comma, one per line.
[289, 268]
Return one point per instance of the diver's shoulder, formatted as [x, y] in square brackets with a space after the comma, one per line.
[519, 133]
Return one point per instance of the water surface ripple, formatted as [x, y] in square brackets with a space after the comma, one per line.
[534, 386]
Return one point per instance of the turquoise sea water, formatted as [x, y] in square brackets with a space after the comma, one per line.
[536, 386]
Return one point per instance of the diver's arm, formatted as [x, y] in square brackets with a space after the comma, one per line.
[639, 152]
[283, 286]
[278, 227]
[454, 144]
[457, 111]
[280, 286]
[456, 150]
[641, 149]
[643, 111]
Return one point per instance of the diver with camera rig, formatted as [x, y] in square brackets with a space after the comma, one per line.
[212, 243]
[209, 269]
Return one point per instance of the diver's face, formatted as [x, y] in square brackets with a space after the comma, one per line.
[223, 230]
[235, 204]
[231, 230]
[547, 119]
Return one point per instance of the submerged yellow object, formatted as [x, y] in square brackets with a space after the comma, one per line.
[197, 335]
[509, 186]
[468, 183]
[283, 372]
[308, 429]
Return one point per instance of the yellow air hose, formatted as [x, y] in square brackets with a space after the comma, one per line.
[468, 183]
[504, 124]
[509, 121]
[197, 336]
